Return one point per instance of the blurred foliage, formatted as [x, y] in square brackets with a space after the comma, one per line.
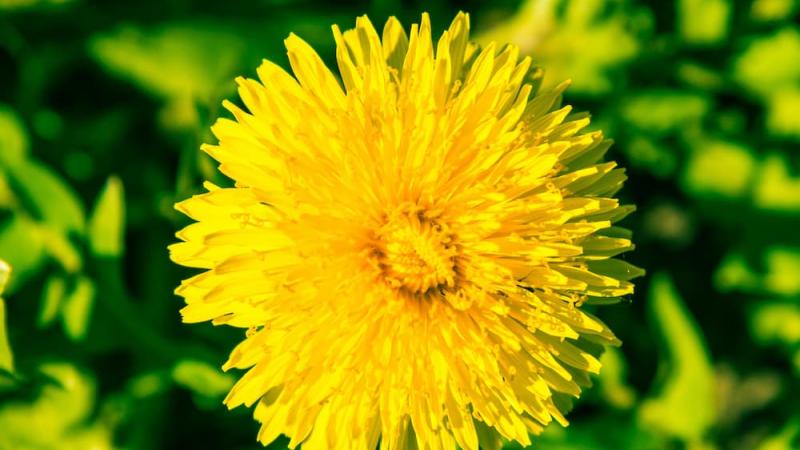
[103, 107]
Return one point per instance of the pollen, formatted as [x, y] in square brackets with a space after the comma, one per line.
[417, 252]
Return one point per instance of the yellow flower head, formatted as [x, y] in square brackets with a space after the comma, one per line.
[408, 248]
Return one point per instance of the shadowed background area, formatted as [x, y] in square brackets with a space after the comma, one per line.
[103, 106]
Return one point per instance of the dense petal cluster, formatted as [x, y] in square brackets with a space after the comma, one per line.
[407, 244]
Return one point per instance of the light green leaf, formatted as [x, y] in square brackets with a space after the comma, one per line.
[5, 273]
[61, 249]
[783, 271]
[52, 297]
[583, 41]
[684, 404]
[77, 309]
[770, 63]
[647, 153]
[719, 169]
[49, 421]
[612, 384]
[780, 276]
[703, 22]
[735, 273]
[6, 357]
[776, 322]
[771, 10]
[173, 61]
[22, 246]
[660, 112]
[50, 199]
[13, 138]
[775, 189]
[106, 225]
[782, 117]
[202, 378]
[785, 439]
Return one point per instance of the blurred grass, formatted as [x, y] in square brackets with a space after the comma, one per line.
[103, 107]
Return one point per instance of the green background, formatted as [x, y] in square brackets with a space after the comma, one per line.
[103, 106]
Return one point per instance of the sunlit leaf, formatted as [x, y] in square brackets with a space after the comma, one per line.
[781, 266]
[775, 188]
[5, 274]
[776, 322]
[735, 273]
[719, 169]
[13, 138]
[173, 61]
[202, 378]
[6, 357]
[61, 249]
[662, 111]
[611, 383]
[699, 76]
[703, 22]
[771, 10]
[770, 63]
[48, 420]
[785, 439]
[647, 153]
[52, 296]
[580, 41]
[22, 246]
[782, 116]
[77, 309]
[106, 225]
[50, 199]
[683, 407]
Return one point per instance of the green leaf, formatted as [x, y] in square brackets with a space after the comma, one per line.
[106, 225]
[770, 63]
[52, 297]
[772, 10]
[647, 153]
[6, 357]
[51, 419]
[5, 273]
[77, 309]
[22, 246]
[683, 407]
[49, 198]
[719, 169]
[584, 41]
[661, 111]
[202, 378]
[735, 273]
[13, 138]
[776, 322]
[612, 384]
[782, 117]
[173, 61]
[785, 439]
[775, 189]
[781, 265]
[703, 22]
[61, 249]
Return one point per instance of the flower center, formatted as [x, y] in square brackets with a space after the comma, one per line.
[416, 252]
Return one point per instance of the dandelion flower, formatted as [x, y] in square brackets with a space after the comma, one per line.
[407, 244]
